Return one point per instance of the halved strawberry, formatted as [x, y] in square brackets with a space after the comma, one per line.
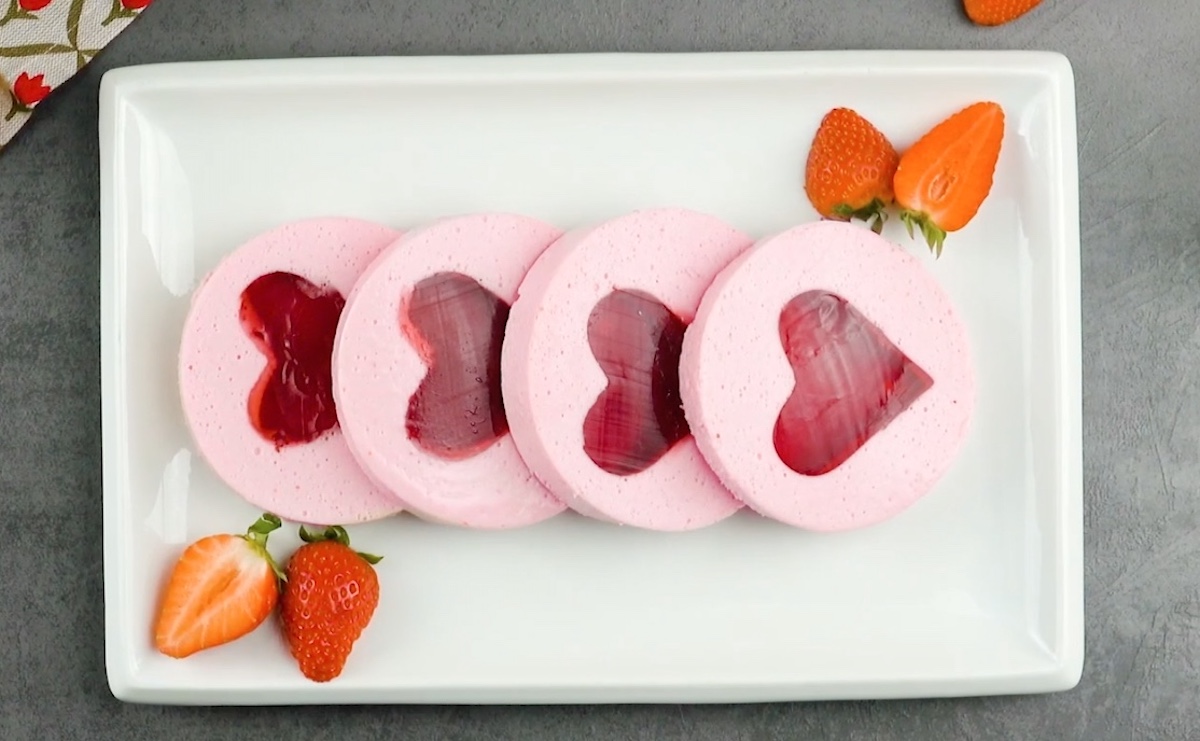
[944, 178]
[849, 169]
[221, 588]
[997, 12]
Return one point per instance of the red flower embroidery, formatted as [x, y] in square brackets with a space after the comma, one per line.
[31, 5]
[30, 90]
[133, 4]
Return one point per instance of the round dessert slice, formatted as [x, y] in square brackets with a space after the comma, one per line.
[828, 378]
[417, 371]
[255, 371]
[590, 368]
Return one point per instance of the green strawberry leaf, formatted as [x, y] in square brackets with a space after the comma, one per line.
[874, 213]
[934, 235]
[370, 557]
[336, 533]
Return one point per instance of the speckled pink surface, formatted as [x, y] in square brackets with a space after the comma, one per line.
[551, 378]
[377, 370]
[318, 482]
[735, 377]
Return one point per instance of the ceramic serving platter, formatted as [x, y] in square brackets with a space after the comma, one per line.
[977, 589]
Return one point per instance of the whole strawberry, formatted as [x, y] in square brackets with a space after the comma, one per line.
[849, 169]
[331, 595]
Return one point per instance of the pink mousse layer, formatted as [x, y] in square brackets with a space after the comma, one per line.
[735, 377]
[318, 482]
[377, 370]
[551, 378]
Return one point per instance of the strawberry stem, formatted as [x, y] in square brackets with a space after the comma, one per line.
[257, 535]
[268, 523]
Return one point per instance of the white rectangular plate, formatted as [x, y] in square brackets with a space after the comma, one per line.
[975, 590]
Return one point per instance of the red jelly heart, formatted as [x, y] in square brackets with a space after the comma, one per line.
[639, 416]
[293, 323]
[851, 381]
[457, 327]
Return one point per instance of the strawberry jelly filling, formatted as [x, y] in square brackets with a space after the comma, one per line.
[639, 416]
[851, 382]
[293, 322]
[457, 327]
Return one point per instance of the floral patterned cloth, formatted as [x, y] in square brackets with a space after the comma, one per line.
[43, 43]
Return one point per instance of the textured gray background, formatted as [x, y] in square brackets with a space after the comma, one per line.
[1137, 68]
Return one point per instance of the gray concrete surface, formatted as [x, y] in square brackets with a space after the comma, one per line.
[1138, 71]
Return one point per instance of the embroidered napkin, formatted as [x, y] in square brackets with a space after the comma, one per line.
[43, 43]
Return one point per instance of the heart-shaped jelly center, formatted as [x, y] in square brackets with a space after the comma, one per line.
[639, 415]
[457, 327]
[293, 322]
[851, 382]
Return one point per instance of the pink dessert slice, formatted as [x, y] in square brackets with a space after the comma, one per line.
[828, 378]
[417, 371]
[590, 368]
[255, 371]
